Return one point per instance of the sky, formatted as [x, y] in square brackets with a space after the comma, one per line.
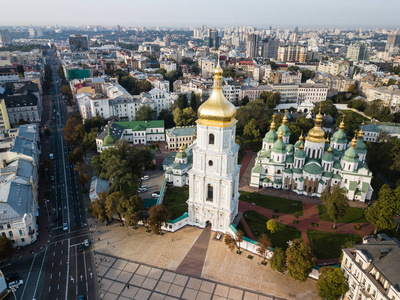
[218, 13]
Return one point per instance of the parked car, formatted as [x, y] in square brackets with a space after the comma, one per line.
[15, 284]
[145, 177]
[143, 186]
[52, 178]
[81, 297]
[65, 226]
[86, 242]
[12, 277]
[155, 194]
[140, 190]
[80, 247]
[51, 156]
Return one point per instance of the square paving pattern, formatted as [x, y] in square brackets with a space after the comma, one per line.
[122, 279]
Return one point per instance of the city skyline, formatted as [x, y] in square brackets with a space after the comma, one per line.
[310, 14]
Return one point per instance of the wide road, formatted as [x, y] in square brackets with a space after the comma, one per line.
[61, 270]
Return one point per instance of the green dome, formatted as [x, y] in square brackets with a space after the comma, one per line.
[289, 159]
[109, 139]
[350, 155]
[279, 146]
[328, 156]
[270, 137]
[339, 137]
[290, 148]
[181, 154]
[360, 146]
[300, 154]
[284, 129]
[313, 168]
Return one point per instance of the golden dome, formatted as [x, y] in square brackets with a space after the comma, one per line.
[280, 135]
[354, 141]
[272, 127]
[341, 126]
[217, 111]
[316, 134]
[361, 132]
[301, 147]
[329, 149]
[301, 138]
[284, 120]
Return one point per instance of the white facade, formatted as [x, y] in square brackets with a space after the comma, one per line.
[168, 66]
[312, 92]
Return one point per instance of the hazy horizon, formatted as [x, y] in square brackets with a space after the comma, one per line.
[177, 13]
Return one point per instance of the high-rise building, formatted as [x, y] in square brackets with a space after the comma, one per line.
[252, 45]
[167, 42]
[292, 53]
[4, 37]
[358, 51]
[78, 42]
[270, 48]
[392, 41]
[214, 39]
[32, 32]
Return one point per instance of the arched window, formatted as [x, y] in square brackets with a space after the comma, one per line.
[1, 227]
[3, 234]
[8, 226]
[278, 172]
[20, 232]
[210, 163]
[211, 139]
[210, 192]
[10, 233]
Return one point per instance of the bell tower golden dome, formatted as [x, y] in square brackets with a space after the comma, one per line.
[217, 111]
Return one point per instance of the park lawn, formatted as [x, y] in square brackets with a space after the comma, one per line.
[258, 226]
[274, 203]
[175, 200]
[328, 245]
[359, 118]
[353, 215]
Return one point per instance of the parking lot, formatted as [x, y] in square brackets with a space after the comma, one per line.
[153, 184]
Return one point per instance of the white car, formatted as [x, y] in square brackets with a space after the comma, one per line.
[145, 177]
[65, 226]
[15, 284]
[155, 195]
[51, 156]
[143, 186]
[86, 243]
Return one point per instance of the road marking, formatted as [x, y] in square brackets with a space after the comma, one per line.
[60, 262]
[52, 264]
[76, 269]
[51, 276]
[49, 288]
[65, 178]
[27, 278]
[58, 286]
[40, 272]
[66, 289]
[59, 274]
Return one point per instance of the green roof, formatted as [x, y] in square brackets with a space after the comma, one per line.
[266, 180]
[109, 140]
[284, 129]
[277, 181]
[290, 148]
[358, 193]
[185, 215]
[353, 185]
[365, 187]
[337, 176]
[350, 155]
[169, 171]
[360, 146]
[321, 181]
[337, 165]
[256, 169]
[328, 157]
[301, 179]
[297, 171]
[279, 146]
[181, 155]
[289, 159]
[287, 170]
[300, 154]
[181, 131]
[270, 137]
[313, 168]
[339, 137]
[327, 174]
[345, 189]
[140, 125]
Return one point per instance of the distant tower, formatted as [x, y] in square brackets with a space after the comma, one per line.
[214, 179]
[167, 42]
[252, 46]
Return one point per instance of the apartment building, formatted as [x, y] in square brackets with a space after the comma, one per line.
[180, 136]
[19, 187]
[4, 122]
[334, 67]
[207, 67]
[292, 53]
[231, 91]
[358, 51]
[314, 93]
[390, 96]
[285, 77]
[168, 66]
[289, 92]
[253, 92]
[371, 269]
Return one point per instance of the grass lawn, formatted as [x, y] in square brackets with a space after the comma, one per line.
[359, 118]
[258, 225]
[353, 215]
[175, 200]
[328, 244]
[281, 204]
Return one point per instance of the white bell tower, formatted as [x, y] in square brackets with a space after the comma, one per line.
[214, 178]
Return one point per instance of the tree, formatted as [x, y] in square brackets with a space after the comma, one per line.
[113, 205]
[76, 156]
[229, 72]
[278, 260]
[306, 74]
[195, 68]
[185, 117]
[89, 139]
[6, 247]
[263, 246]
[271, 99]
[66, 91]
[145, 113]
[327, 108]
[132, 209]
[331, 283]
[233, 241]
[251, 131]
[118, 173]
[168, 117]
[182, 101]
[272, 226]
[336, 204]
[159, 215]
[382, 212]
[83, 176]
[98, 207]
[71, 131]
[300, 260]
[245, 100]
[195, 101]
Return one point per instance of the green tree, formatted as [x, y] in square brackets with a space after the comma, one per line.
[76, 156]
[118, 173]
[245, 100]
[113, 205]
[233, 241]
[383, 211]
[159, 216]
[182, 101]
[167, 115]
[293, 68]
[336, 203]
[300, 260]
[271, 99]
[229, 72]
[98, 207]
[83, 176]
[89, 139]
[185, 117]
[272, 226]
[306, 74]
[94, 122]
[331, 283]
[195, 101]
[263, 246]
[195, 68]
[66, 91]
[132, 210]
[6, 247]
[278, 260]
[145, 113]
[251, 131]
[327, 107]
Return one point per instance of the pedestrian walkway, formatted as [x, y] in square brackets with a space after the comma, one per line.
[193, 262]
[124, 279]
[310, 215]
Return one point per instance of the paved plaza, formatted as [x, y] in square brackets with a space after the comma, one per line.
[123, 279]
